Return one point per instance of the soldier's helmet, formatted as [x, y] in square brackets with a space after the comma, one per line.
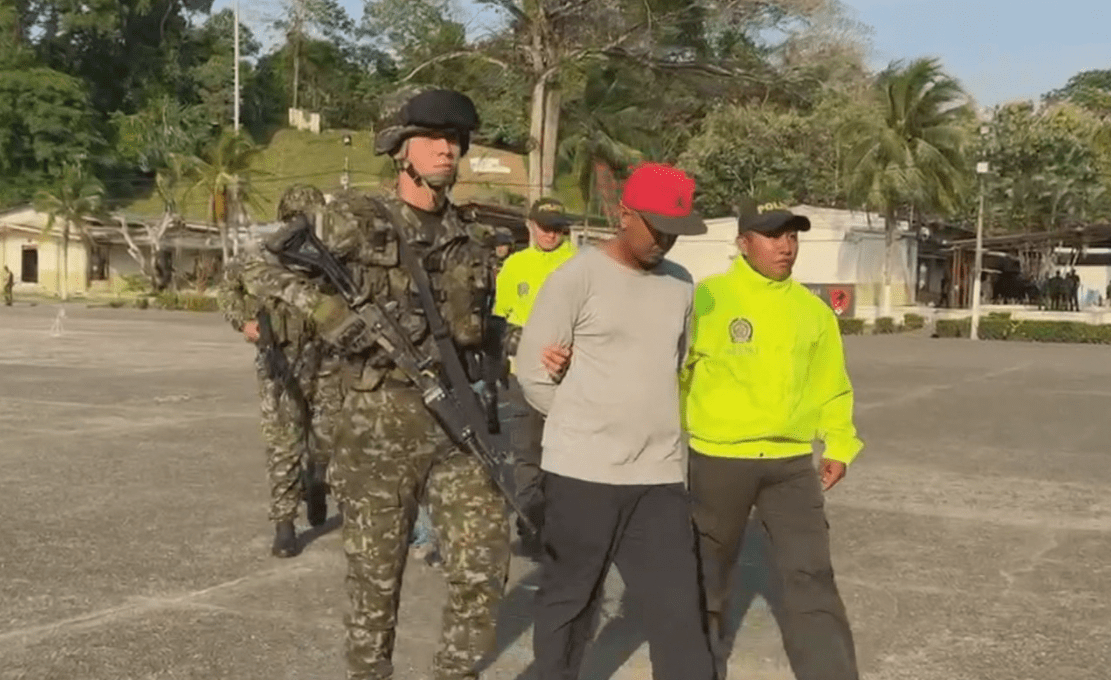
[299, 198]
[416, 110]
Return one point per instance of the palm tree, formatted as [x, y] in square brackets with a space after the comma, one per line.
[910, 155]
[75, 198]
[221, 172]
[603, 128]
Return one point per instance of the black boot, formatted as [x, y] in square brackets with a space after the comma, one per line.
[316, 504]
[285, 539]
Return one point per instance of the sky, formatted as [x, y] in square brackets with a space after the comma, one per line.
[999, 49]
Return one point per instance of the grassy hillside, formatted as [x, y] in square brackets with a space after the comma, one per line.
[293, 156]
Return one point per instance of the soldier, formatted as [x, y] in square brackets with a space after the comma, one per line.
[391, 454]
[9, 284]
[287, 416]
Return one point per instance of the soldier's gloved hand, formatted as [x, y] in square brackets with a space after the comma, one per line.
[340, 327]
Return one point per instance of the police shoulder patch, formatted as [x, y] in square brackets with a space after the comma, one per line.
[740, 330]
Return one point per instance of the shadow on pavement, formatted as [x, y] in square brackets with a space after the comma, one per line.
[306, 538]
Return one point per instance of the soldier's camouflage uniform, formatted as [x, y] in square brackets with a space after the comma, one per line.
[390, 452]
[282, 424]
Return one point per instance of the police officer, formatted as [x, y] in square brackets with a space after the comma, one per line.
[391, 454]
[521, 276]
[765, 376]
[287, 429]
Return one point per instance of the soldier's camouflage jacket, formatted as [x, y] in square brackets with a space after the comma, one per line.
[240, 306]
[458, 256]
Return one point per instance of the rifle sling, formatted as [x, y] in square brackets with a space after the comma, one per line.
[449, 357]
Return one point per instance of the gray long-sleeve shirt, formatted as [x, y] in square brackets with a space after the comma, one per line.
[614, 417]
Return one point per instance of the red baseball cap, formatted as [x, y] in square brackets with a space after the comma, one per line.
[664, 196]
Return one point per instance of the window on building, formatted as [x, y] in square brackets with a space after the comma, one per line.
[30, 271]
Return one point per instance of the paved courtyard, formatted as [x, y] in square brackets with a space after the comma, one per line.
[972, 540]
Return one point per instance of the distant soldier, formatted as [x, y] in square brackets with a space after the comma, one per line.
[9, 286]
[1073, 290]
[288, 364]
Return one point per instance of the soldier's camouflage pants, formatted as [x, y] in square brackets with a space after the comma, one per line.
[282, 428]
[390, 455]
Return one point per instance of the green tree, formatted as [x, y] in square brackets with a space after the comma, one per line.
[304, 20]
[75, 198]
[45, 122]
[223, 172]
[912, 157]
[1088, 89]
[1048, 167]
[604, 126]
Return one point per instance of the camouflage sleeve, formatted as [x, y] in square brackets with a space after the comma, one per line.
[266, 278]
[234, 301]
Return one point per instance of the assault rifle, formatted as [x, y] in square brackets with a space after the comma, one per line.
[449, 398]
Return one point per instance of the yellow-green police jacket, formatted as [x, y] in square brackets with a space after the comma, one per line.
[765, 374]
[521, 277]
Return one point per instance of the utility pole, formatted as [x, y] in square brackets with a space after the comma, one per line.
[233, 208]
[236, 13]
[981, 170]
[345, 179]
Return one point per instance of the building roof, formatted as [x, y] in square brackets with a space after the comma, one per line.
[1095, 235]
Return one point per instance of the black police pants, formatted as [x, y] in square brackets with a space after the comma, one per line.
[527, 426]
[646, 531]
[788, 497]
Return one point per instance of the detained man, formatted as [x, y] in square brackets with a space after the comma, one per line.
[613, 451]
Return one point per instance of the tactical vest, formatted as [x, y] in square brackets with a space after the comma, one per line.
[459, 265]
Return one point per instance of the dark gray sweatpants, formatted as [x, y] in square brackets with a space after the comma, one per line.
[646, 531]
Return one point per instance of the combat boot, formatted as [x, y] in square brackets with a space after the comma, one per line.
[285, 539]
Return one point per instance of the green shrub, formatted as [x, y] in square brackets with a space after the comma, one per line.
[914, 322]
[953, 328]
[191, 302]
[851, 326]
[142, 303]
[135, 283]
[1002, 327]
[885, 325]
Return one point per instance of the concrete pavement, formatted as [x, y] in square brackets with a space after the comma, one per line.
[972, 539]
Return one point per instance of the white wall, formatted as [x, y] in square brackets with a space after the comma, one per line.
[839, 248]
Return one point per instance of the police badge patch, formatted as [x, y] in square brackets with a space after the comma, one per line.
[522, 288]
[740, 331]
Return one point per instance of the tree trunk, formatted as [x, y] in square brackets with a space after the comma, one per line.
[552, 99]
[889, 227]
[64, 288]
[221, 224]
[536, 142]
[296, 70]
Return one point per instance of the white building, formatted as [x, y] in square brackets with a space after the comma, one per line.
[105, 265]
[843, 248]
